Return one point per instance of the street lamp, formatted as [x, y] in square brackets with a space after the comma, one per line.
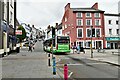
[91, 43]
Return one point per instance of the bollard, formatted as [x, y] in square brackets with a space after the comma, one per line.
[54, 66]
[65, 72]
[48, 59]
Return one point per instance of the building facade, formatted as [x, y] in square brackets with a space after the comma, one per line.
[8, 25]
[78, 23]
[112, 31]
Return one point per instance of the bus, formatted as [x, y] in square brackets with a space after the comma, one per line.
[61, 44]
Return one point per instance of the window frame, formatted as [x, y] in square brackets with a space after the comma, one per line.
[90, 22]
[96, 16]
[111, 31]
[109, 22]
[81, 22]
[99, 22]
[87, 15]
[78, 15]
[77, 32]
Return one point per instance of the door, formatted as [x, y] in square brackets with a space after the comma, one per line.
[116, 46]
[112, 47]
[98, 44]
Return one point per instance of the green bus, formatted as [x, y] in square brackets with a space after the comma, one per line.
[61, 44]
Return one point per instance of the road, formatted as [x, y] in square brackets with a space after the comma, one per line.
[27, 64]
[85, 68]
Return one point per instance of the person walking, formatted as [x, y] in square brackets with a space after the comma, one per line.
[30, 47]
[78, 49]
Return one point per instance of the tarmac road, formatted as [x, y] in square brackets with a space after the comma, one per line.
[86, 69]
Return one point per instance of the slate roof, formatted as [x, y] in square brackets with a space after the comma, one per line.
[86, 10]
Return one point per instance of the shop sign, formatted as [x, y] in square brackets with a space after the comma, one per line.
[113, 38]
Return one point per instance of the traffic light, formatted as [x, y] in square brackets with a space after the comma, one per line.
[93, 32]
[53, 32]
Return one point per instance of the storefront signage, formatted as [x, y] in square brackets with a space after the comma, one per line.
[18, 32]
[113, 38]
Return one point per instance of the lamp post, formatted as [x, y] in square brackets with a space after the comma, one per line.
[91, 43]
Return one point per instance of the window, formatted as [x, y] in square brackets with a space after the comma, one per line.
[11, 15]
[65, 19]
[110, 31]
[79, 15]
[88, 15]
[65, 26]
[97, 15]
[109, 22]
[88, 32]
[117, 31]
[97, 32]
[79, 33]
[88, 44]
[88, 22]
[117, 22]
[97, 22]
[79, 22]
[80, 43]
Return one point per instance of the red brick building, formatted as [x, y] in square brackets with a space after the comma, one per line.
[77, 23]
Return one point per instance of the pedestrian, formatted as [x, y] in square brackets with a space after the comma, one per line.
[78, 49]
[33, 46]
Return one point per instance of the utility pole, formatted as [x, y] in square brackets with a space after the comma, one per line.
[91, 43]
[15, 19]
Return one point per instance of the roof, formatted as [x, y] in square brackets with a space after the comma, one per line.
[86, 10]
[109, 14]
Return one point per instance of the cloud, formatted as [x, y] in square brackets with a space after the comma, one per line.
[42, 13]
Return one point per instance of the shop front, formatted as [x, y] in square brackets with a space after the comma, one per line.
[113, 42]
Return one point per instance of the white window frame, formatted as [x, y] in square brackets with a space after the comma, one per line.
[79, 16]
[96, 32]
[90, 22]
[96, 16]
[81, 22]
[65, 26]
[99, 22]
[77, 32]
[80, 41]
[88, 16]
[87, 32]
[65, 19]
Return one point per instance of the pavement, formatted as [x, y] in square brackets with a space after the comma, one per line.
[107, 56]
[28, 65]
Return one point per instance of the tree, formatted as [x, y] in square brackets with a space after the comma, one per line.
[23, 36]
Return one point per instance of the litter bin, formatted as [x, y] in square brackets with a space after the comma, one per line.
[18, 49]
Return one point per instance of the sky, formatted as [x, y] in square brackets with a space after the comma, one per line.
[42, 13]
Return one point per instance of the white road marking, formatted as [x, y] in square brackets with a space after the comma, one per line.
[70, 74]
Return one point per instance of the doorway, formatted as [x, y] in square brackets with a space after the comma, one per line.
[98, 44]
[112, 46]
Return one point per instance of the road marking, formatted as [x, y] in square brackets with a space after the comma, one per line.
[86, 63]
[70, 74]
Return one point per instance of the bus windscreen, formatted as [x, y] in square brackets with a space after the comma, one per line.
[63, 41]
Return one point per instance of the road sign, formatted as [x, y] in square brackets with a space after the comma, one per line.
[18, 32]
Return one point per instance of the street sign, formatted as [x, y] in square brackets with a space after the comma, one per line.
[18, 32]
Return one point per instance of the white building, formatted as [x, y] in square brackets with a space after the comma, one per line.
[112, 30]
[27, 29]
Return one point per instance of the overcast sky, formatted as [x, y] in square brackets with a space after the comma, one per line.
[42, 13]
